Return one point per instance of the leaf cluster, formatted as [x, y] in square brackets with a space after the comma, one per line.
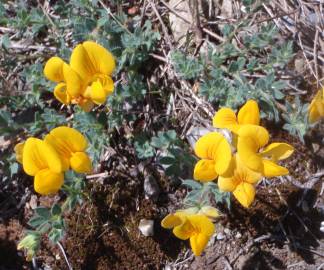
[227, 77]
[169, 151]
[202, 194]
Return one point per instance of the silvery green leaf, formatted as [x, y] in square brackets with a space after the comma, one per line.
[192, 184]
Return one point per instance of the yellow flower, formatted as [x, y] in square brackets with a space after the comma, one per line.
[215, 153]
[70, 144]
[69, 88]
[241, 182]
[42, 161]
[95, 66]
[316, 108]
[86, 80]
[248, 114]
[253, 153]
[196, 227]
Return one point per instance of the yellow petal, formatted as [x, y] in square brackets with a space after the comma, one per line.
[245, 194]
[198, 242]
[215, 147]
[205, 170]
[226, 118]
[271, 169]
[227, 184]
[19, 149]
[171, 221]
[74, 84]
[61, 94]
[67, 140]
[201, 224]
[316, 108]
[80, 162]
[47, 182]
[320, 102]
[251, 139]
[314, 115]
[97, 93]
[203, 229]
[209, 211]
[249, 113]
[53, 69]
[278, 151]
[108, 85]
[183, 231]
[243, 173]
[89, 59]
[39, 155]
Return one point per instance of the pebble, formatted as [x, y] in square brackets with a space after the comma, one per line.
[220, 236]
[322, 227]
[151, 188]
[33, 202]
[316, 147]
[227, 231]
[238, 235]
[146, 226]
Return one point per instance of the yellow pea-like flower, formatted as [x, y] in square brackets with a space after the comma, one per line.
[254, 153]
[215, 153]
[240, 182]
[195, 227]
[86, 80]
[95, 65]
[70, 144]
[316, 108]
[248, 114]
[40, 160]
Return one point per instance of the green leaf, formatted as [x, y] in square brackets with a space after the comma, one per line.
[55, 235]
[43, 212]
[56, 210]
[37, 221]
[14, 168]
[5, 42]
[167, 160]
[227, 29]
[143, 147]
[192, 184]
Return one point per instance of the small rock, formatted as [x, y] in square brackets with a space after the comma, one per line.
[300, 65]
[146, 226]
[220, 236]
[238, 235]
[316, 147]
[151, 188]
[227, 231]
[322, 227]
[33, 202]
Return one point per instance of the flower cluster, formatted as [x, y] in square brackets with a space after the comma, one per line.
[86, 80]
[241, 164]
[316, 108]
[238, 165]
[47, 160]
